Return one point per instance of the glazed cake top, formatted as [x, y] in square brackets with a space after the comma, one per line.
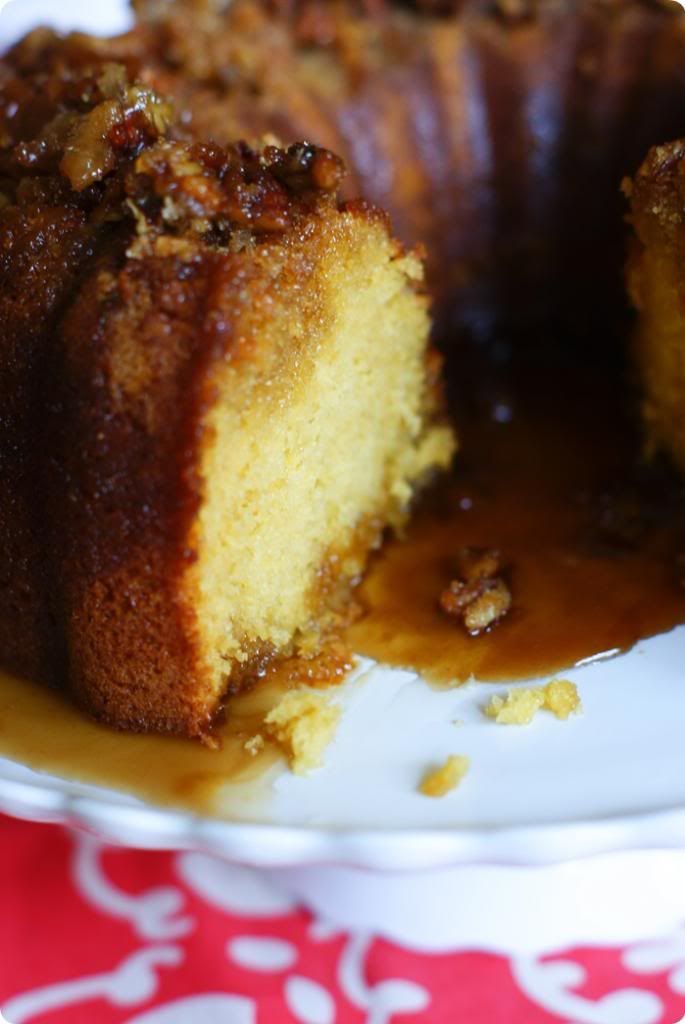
[78, 128]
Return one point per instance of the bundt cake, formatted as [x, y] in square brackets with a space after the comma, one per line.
[656, 278]
[215, 393]
[495, 132]
[216, 389]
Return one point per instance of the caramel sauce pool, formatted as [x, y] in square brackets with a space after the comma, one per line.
[591, 539]
[41, 728]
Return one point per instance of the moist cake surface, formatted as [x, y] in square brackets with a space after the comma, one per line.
[217, 394]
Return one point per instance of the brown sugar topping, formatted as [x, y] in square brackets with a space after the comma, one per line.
[211, 188]
[101, 139]
[82, 126]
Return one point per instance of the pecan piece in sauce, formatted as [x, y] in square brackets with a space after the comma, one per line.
[479, 595]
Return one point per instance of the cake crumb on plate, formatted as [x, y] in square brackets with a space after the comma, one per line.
[303, 723]
[562, 698]
[440, 781]
[254, 744]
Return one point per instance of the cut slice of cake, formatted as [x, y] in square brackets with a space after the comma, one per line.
[217, 394]
[656, 280]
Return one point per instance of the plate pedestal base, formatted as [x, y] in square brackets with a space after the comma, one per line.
[610, 900]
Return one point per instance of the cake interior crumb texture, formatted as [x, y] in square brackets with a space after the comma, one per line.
[303, 723]
[315, 448]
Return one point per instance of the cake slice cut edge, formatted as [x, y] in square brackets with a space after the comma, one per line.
[237, 398]
[307, 423]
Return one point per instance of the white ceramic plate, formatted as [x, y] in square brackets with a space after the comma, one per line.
[562, 834]
[610, 779]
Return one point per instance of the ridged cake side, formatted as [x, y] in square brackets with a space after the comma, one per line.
[494, 133]
[171, 316]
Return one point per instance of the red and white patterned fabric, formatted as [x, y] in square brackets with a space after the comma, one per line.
[99, 935]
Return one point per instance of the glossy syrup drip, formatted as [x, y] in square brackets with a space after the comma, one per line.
[41, 728]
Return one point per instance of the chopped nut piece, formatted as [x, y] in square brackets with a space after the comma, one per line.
[254, 744]
[480, 602]
[303, 723]
[440, 781]
[479, 563]
[559, 696]
[129, 118]
[488, 608]
[479, 594]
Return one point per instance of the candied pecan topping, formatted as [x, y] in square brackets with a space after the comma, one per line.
[304, 166]
[122, 126]
[88, 130]
[479, 596]
[79, 123]
[208, 188]
[92, 119]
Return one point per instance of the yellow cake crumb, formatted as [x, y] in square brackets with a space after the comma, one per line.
[519, 707]
[254, 744]
[303, 723]
[440, 781]
[561, 698]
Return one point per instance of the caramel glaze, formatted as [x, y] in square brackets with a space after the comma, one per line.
[590, 536]
[42, 728]
[494, 132]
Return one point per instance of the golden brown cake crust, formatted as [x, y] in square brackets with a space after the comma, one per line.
[657, 287]
[124, 288]
[657, 193]
[494, 133]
